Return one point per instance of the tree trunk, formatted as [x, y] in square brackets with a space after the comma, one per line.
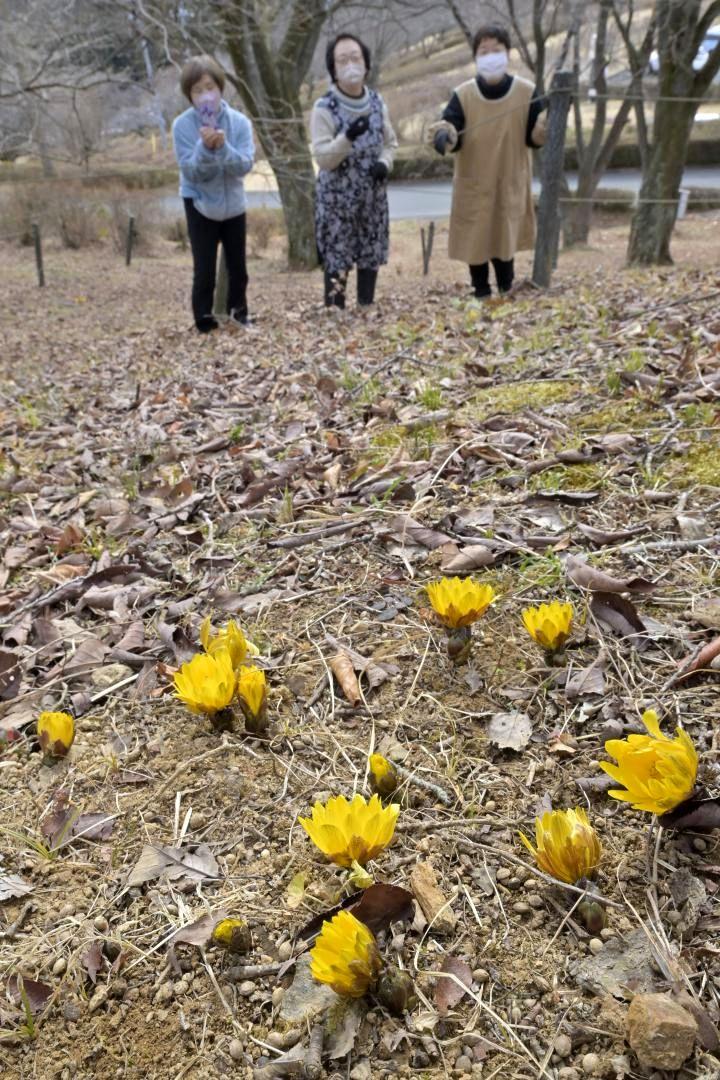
[681, 27]
[577, 219]
[289, 157]
[654, 219]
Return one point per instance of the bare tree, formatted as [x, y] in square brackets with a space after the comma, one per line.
[681, 28]
[594, 153]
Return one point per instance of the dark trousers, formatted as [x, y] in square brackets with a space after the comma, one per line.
[205, 235]
[504, 274]
[336, 286]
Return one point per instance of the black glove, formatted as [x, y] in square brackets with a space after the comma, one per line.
[358, 128]
[379, 171]
[441, 140]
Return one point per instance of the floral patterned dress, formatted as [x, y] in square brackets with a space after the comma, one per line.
[351, 209]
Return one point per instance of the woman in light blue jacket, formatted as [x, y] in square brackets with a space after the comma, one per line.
[214, 149]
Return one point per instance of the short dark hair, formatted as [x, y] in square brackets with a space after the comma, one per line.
[330, 52]
[194, 69]
[491, 30]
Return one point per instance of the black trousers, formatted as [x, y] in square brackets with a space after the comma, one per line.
[336, 286]
[205, 235]
[504, 274]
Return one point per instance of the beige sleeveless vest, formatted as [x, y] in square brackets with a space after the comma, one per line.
[492, 213]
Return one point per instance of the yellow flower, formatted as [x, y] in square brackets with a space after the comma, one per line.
[252, 688]
[56, 731]
[350, 832]
[459, 601]
[657, 771]
[233, 935]
[231, 638]
[549, 624]
[383, 775]
[252, 691]
[206, 683]
[568, 848]
[345, 956]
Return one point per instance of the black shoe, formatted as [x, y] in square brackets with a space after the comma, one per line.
[206, 324]
[240, 317]
[482, 294]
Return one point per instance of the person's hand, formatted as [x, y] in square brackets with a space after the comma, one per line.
[358, 128]
[219, 139]
[441, 140]
[207, 134]
[379, 171]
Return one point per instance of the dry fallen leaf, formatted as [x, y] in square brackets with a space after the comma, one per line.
[342, 668]
[447, 991]
[510, 730]
[588, 577]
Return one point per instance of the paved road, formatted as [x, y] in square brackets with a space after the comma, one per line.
[431, 198]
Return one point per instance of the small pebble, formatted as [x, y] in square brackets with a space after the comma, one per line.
[699, 844]
[503, 874]
[284, 950]
[591, 1064]
[277, 995]
[101, 924]
[60, 966]
[563, 1046]
[235, 1050]
[66, 911]
[606, 933]
[521, 908]
[567, 1073]
[596, 945]
[246, 988]
[463, 1064]
[535, 901]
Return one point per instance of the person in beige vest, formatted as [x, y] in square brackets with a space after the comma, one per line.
[491, 124]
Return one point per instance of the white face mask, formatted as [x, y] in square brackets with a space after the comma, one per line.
[351, 74]
[492, 65]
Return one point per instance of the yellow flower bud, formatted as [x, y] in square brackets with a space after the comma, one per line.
[568, 848]
[396, 991]
[252, 692]
[346, 956]
[56, 731]
[233, 935]
[383, 775]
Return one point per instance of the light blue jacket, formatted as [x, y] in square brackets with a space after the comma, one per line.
[213, 178]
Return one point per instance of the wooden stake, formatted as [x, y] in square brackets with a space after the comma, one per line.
[427, 246]
[130, 239]
[38, 254]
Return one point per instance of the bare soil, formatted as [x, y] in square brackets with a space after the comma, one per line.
[197, 464]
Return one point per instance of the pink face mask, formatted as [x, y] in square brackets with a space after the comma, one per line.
[208, 105]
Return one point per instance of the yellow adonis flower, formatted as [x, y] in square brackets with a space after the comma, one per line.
[383, 775]
[56, 731]
[658, 772]
[233, 935]
[231, 638]
[459, 601]
[350, 832]
[549, 624]
[568, 848]
[346, 956]
[252, 691]
[206, 684]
